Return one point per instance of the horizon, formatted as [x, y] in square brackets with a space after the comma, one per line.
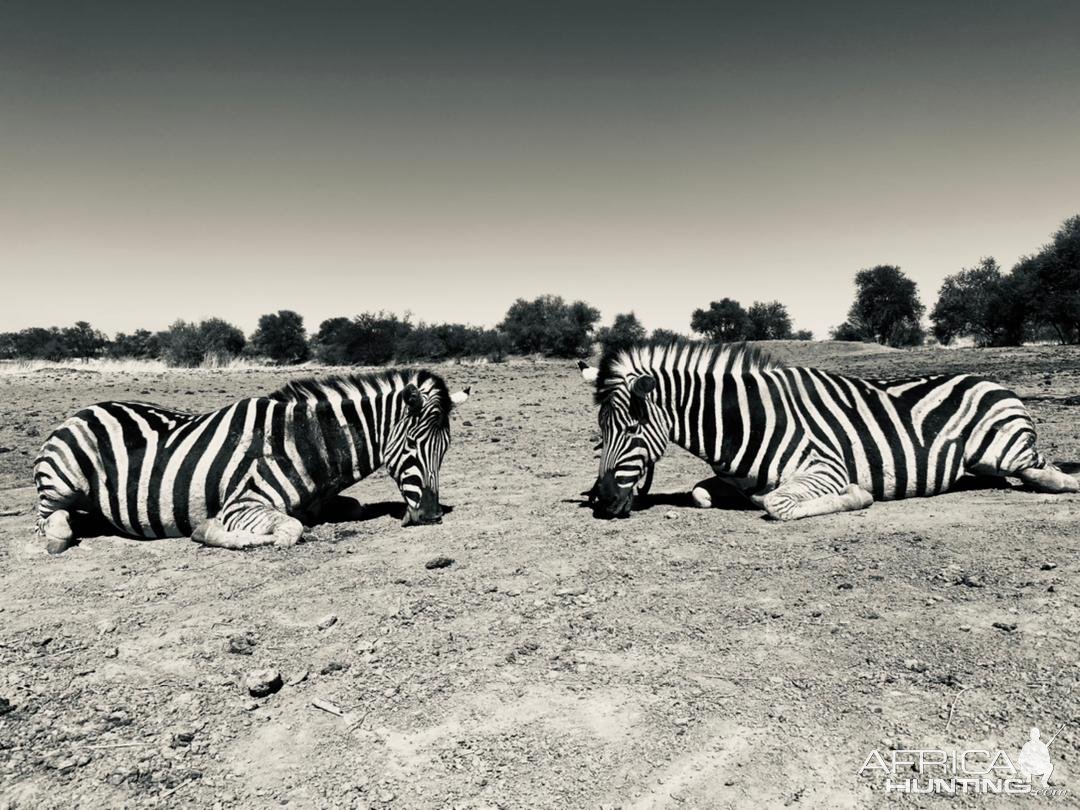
[203, 161]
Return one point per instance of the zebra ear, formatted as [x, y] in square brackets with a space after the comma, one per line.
[460, 396]
[588, 373]
[641, 389]
[413, 401]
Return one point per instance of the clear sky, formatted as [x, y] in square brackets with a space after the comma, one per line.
[165, 160]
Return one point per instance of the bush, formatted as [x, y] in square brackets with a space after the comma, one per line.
[190, 345]
[370, 339]
[851, 332]
[803, 334]
[625, 332]
[449, 341]
[281, 337]
[548, 325]
[141, 344]
[725, 320]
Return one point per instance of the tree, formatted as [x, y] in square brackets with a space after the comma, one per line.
[281, 337]
[140, 344]
[768, 321]
[82, 340]
[887, 306]
[221, 338]
[548, 325]
[967, 304]
[331, 342]
[622, 334]
[1055, 293]
[724, 320]
[38, 343]
[369, 339]
[803, 334]
[665, 336]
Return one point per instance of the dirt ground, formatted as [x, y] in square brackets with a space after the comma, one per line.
[682, 658]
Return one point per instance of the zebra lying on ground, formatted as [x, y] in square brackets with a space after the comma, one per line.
[243, 475]
[801, 441]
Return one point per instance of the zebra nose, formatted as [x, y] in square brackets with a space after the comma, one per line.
[612, 501]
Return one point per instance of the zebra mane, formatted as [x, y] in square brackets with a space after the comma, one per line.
[351, 385]
[699, 356]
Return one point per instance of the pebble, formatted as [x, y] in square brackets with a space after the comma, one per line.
[262, 682]
[671, 515]
[438, 562]
[1005, 626]
[916, 665]
[241, 644]
[327, 621]
[112, 652]
[578, 591]
[1048, 566]
[299, 677]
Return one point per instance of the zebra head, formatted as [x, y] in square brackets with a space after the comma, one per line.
[416, 444]
[634, 434]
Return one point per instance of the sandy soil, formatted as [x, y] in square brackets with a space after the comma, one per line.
[681, 658]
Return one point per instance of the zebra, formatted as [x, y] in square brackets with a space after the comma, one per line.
[246, 474]
[801, 441]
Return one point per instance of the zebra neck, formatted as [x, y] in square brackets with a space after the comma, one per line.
[704, 413]
[353, 438]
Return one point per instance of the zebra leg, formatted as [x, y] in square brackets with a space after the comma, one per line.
[269, 527]
[710, 491]
[814, 492]
[1022, 460]
[1049, 479]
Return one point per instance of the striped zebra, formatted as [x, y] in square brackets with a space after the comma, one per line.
[801, 441]
[245, 475]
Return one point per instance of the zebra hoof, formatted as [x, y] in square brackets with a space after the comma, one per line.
[288, 533]
[59, 536]
[701, 498]
[208, 531]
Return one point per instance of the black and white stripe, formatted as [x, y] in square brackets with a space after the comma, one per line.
[801, 433]
[154, 472]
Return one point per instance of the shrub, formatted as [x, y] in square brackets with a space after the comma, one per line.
[281, 337]
[548, 325]
[189, 345]
[141, 344]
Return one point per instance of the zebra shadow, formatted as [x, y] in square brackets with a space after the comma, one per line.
[343, 509]
[681, 500]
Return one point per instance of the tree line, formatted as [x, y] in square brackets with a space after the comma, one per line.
[547, 325]
[1038, 299]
